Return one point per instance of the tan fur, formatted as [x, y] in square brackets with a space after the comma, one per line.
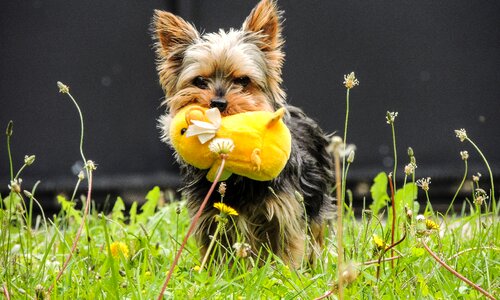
[278, 226]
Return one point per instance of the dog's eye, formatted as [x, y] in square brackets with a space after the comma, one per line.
[183, 130]
[243, 81]
[200, 82]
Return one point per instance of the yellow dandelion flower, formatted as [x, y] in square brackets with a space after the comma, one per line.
[431, 224]
[379, 242]
[196, 268]
[117, 248]
[225, 209]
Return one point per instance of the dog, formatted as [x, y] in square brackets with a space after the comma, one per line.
[235, 71]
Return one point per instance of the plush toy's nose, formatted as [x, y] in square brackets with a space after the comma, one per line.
[219, 103]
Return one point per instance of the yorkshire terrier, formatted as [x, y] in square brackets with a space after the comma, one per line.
[239, 71]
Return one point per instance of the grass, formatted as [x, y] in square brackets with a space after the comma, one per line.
[390, 252]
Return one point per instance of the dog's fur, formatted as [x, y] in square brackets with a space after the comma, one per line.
[242, 70]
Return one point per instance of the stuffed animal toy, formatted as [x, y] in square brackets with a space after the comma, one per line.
[262, 142]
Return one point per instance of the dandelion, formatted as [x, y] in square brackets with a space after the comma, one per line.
[410, 168]
[242, 250]
[431, 225]
[225, 209]
[476, 178]
[221, 146]
[424, 183]
[461, 134]
[196, 268]
[464, 155]
[350, 80]
[391, 117]
[117, 248]
[379, 242]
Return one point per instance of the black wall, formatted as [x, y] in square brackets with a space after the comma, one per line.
[434, 62]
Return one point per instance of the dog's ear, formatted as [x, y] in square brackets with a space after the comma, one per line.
[265, 19]
[171, 32]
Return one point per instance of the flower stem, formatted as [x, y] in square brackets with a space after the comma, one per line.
[89, 170]
[458, 190]
[9, 134]
[458, 275]
[340, 209]
[344, 169]
[191, 227]
[393, 226]
[78, 233]
[81, 126]
[494, 200]
[209, 249]
[6, 292]
[395, 154]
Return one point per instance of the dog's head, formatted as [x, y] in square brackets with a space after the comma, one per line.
[234, 71]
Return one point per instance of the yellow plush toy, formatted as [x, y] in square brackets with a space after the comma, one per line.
[262, 142]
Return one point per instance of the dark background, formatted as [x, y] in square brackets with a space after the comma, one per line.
[434, 62]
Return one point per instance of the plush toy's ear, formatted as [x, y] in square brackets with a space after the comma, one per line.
[195, 113]
[278, 115]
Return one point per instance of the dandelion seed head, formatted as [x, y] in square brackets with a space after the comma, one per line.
[221, 146]
[242, 250]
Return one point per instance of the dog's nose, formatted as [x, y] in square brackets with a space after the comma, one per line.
[219, 103]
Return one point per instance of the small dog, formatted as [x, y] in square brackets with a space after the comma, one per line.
[239, 71]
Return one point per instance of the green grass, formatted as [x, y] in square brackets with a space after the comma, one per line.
[32, 258]
[127, 253]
